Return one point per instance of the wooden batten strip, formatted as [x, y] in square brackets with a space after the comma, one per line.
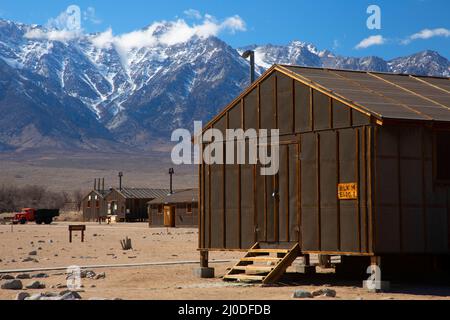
[410, 91]
[382, 95]
[430, 84]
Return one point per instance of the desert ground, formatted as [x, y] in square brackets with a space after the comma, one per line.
[168, 281]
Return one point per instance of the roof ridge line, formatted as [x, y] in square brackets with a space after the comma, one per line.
[363, 71]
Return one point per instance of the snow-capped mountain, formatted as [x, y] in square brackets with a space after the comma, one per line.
[80, 92]
[305, 54]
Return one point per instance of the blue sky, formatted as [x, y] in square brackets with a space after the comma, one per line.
[329, 24]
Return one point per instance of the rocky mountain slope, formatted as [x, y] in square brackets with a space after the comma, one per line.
[76, 94]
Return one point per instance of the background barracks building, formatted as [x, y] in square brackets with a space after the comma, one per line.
[364, 166]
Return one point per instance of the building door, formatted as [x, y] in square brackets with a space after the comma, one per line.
[283, 197]
[169, 216]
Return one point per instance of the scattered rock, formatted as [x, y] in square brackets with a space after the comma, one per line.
[325, 293]
[132, 257]
[70, 295]
[23, 276]
[61, 286]
[6, 277]
[95, 235]
[22, 296]
[41, 241]
[302, 294]
[100, 276]
[12, 285]
[56, 255]
[93, 286]
[36, 285]
[89, 274]
[50, 241]
[33, 253]
[40, 276]
[39, 249]
[30, 259]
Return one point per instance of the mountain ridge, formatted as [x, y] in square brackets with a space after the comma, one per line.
[76, 94]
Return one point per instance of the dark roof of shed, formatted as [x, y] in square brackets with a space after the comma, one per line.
[142, 193]
[179, 196]
[384, 96]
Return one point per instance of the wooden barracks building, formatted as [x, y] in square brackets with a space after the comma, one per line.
[364, 171]
[179, 209]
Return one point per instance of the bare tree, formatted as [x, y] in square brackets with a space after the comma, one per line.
[13, 198]
[77, 198]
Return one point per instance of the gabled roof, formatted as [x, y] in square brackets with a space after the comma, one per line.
[383, 96]
[100, 193]
[179, 196]
[142, 193]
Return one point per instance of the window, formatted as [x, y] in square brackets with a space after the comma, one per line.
[89, 204]
[97, 204]
[160, 209]
[442, 154]
[189, 208]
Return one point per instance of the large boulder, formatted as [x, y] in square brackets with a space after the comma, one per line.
[22, 296]
[12, 285]
[36, 285]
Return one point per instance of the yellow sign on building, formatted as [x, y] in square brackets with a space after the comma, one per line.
[348, 191]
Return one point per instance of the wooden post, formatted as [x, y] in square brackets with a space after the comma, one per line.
[204, 259]
[70, 235]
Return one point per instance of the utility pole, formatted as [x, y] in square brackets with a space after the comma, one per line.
[171, 173]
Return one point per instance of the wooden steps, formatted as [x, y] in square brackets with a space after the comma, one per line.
[245, 278]
[252, 268]
[263, 259]
[263, 265]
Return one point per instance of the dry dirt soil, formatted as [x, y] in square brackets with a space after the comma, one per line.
[102, 247]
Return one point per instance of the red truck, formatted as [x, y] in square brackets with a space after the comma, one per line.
[40, 216]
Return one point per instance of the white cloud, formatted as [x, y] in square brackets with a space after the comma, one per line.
[52, 35]
[70, 19]
[65, 28]
[428, 34]
[234, 24]
[371, 41]
[104, 39]
[192, 13]
[169, 33]
[90, 15]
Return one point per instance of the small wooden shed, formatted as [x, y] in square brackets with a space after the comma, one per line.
[130, 204]
[179, 209]
[364, 166]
